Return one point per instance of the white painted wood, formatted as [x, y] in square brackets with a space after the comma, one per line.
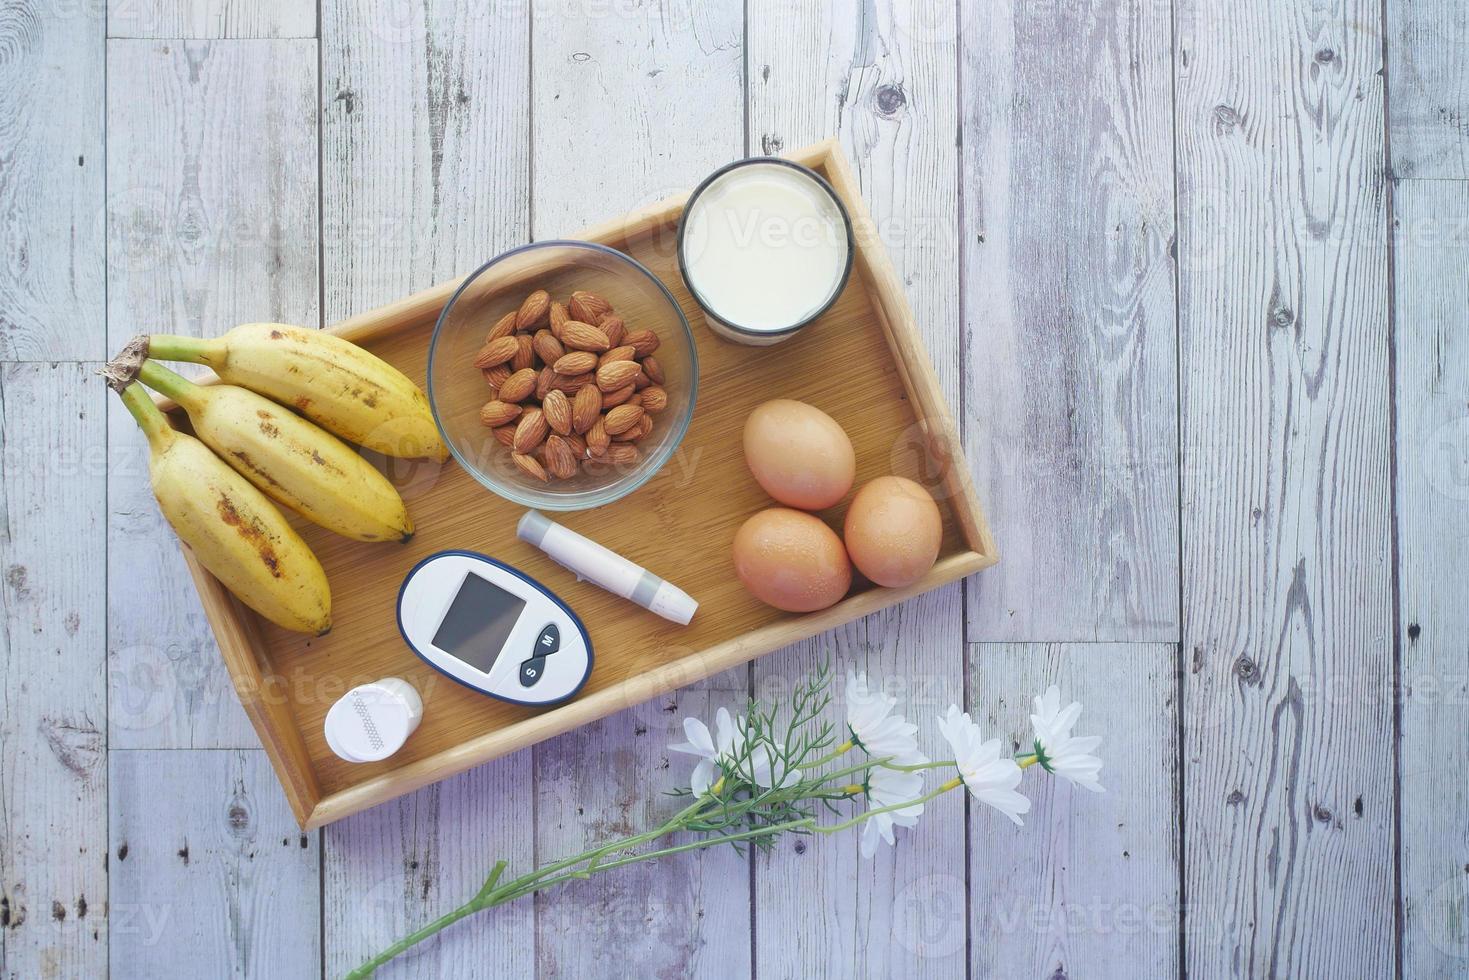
[52, 297]
[630, 104]
[1431, 254]
[1070, 395]
[211, 18]
[682, 916]
[424, 176]
[210, 875]
[212, 182]
[53, 776]
[1287, 578]
[392, 869]
[1428, 88]
[1089, 887]
[886, 84]
[425, 128]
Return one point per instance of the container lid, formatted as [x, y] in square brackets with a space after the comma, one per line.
[371, 722]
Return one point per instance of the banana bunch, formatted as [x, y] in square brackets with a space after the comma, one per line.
[216, 487]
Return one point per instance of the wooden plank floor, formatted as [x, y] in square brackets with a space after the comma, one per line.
[1195, 276]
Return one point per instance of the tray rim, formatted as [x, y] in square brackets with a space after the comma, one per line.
[238, 633]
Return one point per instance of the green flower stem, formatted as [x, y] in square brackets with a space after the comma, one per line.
[919, 766]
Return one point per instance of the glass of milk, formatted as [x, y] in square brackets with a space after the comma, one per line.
[765, 247]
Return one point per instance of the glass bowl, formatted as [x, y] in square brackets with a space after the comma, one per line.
[457, 390]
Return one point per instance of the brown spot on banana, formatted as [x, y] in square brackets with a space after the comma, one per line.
[251, 531]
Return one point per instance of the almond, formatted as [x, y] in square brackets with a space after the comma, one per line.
[644, 426]
[617, 421]
[497, 375]
[505, 435]
[611, 399]
[534, 311]
[586, 408]
[612, 376]
[578, 445]
[497, 351]
[588, 307]
[655, 399]
[547, 347]
[580, 335]
[653, 370]
[529, 467]
[646, 422]
[519, 386]
[558, 319]
[525, 354]
[614, 328]
[623, 353]
[560, 458]
[576, 362]
[544, 382]
[498, 413]
[572, 383]
[644, 342]
[641, 381]
[597, 438]
[622, 454]
[504, 327]
[557, 409]
[531, 430]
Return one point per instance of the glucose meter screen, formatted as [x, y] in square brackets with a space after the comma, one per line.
[478, 622]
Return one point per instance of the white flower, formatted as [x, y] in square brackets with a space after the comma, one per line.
[889, 787]
[990, 779]
[874, 727]
[721, 752]
[1056, 749]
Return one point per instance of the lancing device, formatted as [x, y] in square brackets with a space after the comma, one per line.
[606, 568]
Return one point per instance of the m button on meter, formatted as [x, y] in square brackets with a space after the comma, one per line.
[549, 641]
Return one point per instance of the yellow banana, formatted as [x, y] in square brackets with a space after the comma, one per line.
[295, 463]
[331, 381]
[232, 528]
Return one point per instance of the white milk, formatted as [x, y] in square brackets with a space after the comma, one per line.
[764, 248]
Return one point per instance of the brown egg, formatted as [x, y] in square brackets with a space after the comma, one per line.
[791, 560]
[798, 454]
[893, 531]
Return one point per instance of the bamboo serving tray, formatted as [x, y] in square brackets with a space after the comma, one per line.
[862, 362]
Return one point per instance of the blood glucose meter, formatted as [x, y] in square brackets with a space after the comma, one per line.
[493, 628]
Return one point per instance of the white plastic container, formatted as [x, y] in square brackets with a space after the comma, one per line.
[765, 247]
[371, 722]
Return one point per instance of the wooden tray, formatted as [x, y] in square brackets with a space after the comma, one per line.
[863, 363]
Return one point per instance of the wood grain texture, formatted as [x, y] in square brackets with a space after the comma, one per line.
[682, 916]
[890, 94]
[425, 164]
[1070, 395]
[212, 183]
[52, 282]
[392, 869]
[1287, 578]
[210, 876]
[235, 19]
[53, 684]
[1428, 88]
[611, 85]
[1090, 886]
[1431, 253]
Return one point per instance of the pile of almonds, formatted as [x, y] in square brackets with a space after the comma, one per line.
[572, 388]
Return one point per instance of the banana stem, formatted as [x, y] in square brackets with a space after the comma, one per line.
[161, 379]
[172, 347]
[148, 416]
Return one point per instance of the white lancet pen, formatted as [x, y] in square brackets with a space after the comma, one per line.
[606, 568]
